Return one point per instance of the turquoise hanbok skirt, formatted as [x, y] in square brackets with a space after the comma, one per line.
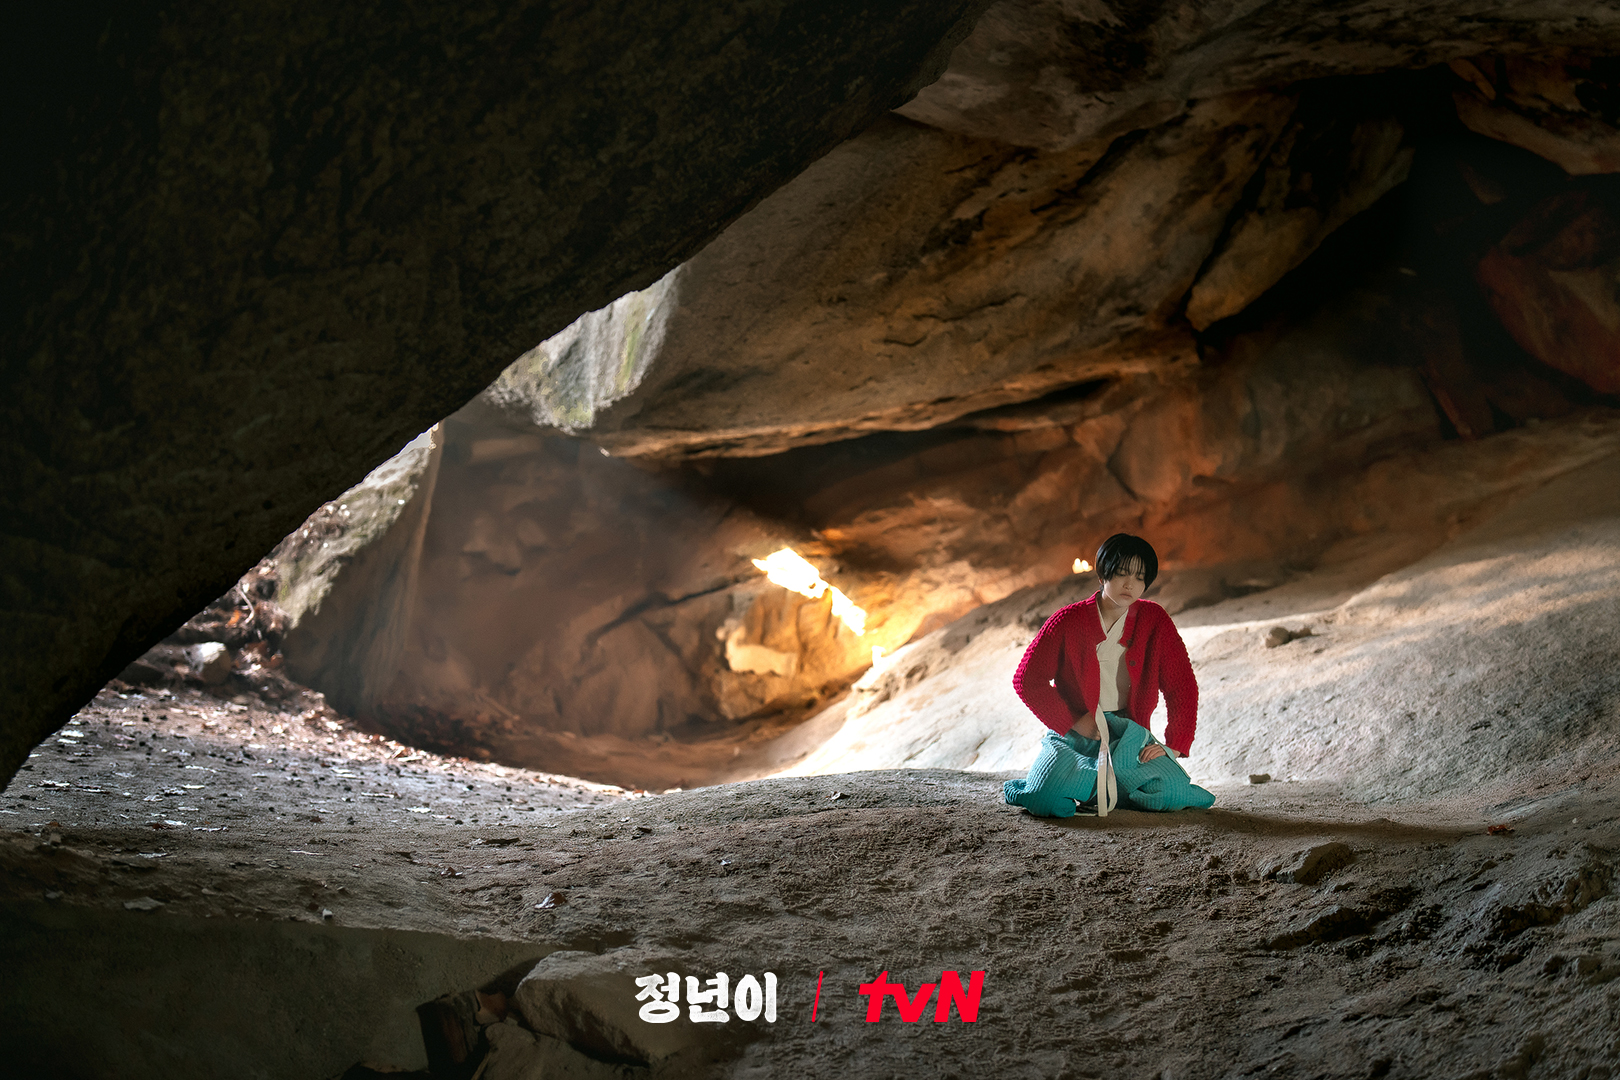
[1063, 780]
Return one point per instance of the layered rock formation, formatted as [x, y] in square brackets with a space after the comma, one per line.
[1087, 187]
[1454, 644]
[599, 616]
[912, 276]
[1236, 375]
[1049, 74]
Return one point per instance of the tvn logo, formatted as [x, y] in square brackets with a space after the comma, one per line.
[708, 1000]
[952, 996]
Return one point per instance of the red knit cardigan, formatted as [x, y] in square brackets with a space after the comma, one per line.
[1059, 681]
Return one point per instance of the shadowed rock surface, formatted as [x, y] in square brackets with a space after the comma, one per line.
[252, 250]
[348, 251]
[1050, 73]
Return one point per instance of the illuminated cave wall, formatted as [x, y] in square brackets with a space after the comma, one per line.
[1378, 277]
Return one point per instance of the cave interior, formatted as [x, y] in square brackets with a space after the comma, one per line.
[416, 420]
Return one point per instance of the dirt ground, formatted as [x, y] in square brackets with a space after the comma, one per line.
[198, 886]
[1143, 945]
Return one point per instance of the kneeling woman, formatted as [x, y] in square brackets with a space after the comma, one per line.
[1093, 675]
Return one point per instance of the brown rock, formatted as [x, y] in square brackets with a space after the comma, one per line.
[567, 599]
[1311, 865]
[1050, 74]
[550, 589]
[1544, 105]
[928, 275]
[245, 265]
[1552, 281]
[1335, 923]
[1326, 168]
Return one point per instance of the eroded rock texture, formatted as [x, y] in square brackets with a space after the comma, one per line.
[1239, 331]
[253, 249]
[1054, 73]
[1554, 280]
[602, 616]
[914, 276]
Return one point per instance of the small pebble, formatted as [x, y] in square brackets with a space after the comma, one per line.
[1260, 778]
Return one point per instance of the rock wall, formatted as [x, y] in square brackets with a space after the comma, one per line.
[254, 248]
[1414, 680]
[371, 540]
[912, 276]
[1052, 74]
[917, 276]
[586, 613]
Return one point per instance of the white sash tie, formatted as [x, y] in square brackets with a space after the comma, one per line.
[1112, 685]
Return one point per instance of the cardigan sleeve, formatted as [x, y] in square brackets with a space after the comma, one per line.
[1179, 686]
[1037, 670]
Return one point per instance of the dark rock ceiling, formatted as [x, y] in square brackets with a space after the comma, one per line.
[251, 249]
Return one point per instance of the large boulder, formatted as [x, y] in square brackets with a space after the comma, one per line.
[908, 278]
[370, 538]
[532, 595]
[251, 249]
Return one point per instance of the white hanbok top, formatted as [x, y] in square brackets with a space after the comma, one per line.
[1114, 678]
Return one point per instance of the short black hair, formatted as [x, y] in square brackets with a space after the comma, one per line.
[1122, 549]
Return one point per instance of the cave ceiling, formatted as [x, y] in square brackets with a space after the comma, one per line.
[1048, 216]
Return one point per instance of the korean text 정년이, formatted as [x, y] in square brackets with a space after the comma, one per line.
[708, 1000]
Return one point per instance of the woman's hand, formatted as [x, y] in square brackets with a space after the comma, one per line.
[1149, 752]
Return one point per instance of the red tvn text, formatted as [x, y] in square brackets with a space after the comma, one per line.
[911, 1006]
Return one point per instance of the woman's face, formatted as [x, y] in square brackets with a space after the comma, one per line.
[1128, 585]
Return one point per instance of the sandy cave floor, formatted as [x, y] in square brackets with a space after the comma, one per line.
[1143, 945]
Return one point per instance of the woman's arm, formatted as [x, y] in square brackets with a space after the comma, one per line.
[1180, 688]
[1037, 671]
